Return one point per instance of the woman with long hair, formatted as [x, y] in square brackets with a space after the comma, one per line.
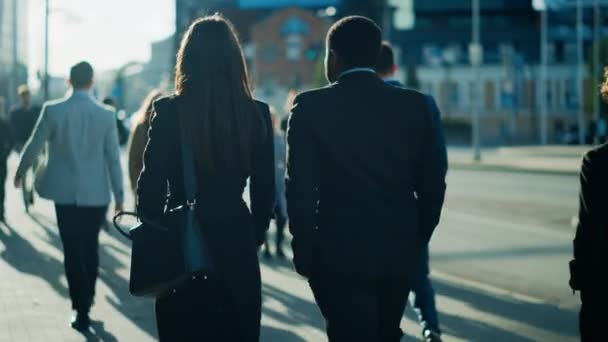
[139, 136]
[230, 135]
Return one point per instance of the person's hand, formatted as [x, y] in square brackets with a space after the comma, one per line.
[18, 181]
[118, 207]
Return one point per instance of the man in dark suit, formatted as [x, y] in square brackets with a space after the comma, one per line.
[6, 145]
[365, 187]
[422, 297]
[589, 269]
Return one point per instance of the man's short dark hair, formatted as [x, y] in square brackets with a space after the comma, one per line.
[81, 75]
[386, 59]
[356, 40]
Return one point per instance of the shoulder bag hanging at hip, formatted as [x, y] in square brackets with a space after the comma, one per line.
[171, 250]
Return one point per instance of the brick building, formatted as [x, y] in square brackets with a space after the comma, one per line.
[286, 48]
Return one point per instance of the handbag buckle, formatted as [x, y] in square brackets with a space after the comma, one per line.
[191, 204]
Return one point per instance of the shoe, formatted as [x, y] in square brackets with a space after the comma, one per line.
[81, 321]
[267, 253]
[431, 336]
[280, 253]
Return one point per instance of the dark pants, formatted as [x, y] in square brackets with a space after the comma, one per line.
[422, 297]
[198, 311]
[361, 309]
[281, 223]
[2, 183]
[79, 231]
[592, 315]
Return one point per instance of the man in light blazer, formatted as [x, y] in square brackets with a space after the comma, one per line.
[83, 169]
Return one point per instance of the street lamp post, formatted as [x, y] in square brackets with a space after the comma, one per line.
[580, 70]
[45, 80]
[596, 64]
[544, 135]
[476, 57]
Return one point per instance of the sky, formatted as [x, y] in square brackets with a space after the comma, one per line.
[107, 33]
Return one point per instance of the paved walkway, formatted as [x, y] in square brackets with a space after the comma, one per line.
[537, 159]
[34, 304]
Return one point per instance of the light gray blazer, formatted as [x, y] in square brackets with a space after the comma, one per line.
[83, 160]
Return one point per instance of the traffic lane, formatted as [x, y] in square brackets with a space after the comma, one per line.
[527, 259]
[546, 200]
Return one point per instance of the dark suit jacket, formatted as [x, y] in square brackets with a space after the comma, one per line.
[436, 118]
[366, 177]
[6, 139]
[591, 241]
[232, 232]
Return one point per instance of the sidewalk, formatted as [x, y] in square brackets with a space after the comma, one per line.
[559, 160]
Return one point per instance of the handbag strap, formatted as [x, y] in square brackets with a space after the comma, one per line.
[189, 170]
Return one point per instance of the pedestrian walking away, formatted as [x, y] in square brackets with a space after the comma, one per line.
[422, 296]
[23, 118]
[6, 145]
[139, 137]
[214, 114]
[280, 208]
[589, 268]
[82, 171]
[365, 187]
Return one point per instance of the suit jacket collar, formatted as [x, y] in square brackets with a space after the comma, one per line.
[358, 75]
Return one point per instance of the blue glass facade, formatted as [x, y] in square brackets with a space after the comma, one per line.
[245, 4]
[447, 23]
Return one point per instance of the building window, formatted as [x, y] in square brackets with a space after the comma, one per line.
[269, 53]
[490, 95]
[293, 48]
[549, 93]
[571, 94]
[570, 52]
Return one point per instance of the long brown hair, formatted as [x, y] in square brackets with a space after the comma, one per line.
[217, 112]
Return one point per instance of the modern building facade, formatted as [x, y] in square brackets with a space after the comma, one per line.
[510, 87]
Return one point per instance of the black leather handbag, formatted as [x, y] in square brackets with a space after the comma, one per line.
[171, 250]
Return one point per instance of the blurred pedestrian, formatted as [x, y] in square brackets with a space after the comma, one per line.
[23, 117]
[280, 208]
[6, 145]
[231, 137]
[589, 269]
[365, 187]
[123, 132]
[83, 165]
[139, 137]
[422, 297]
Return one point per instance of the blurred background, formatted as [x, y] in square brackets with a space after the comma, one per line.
[517, 82]
[539, 62]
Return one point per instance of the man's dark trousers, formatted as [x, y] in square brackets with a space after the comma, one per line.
[2, 182]
[79, 230]
[359, 309]
[592, 315]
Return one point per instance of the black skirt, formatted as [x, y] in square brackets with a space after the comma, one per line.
[200, 310]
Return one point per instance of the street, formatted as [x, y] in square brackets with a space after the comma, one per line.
[499, 260]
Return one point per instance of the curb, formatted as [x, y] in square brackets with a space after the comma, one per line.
[509, 168]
